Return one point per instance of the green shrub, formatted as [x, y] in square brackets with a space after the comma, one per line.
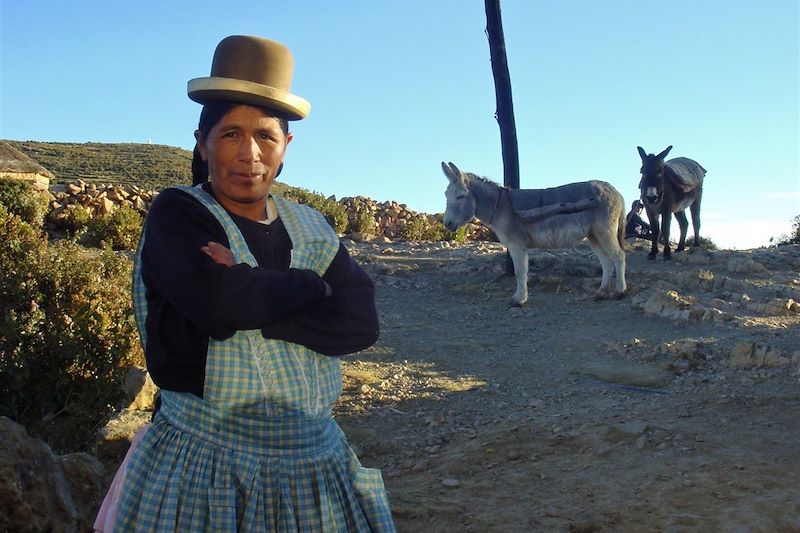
[74, 220]
[335, 212]
[338, 216]
[119, 229]
[415, 229]
[420, 228]
[364, 222]
[794, 236]
[20, 198]
[67, 335]
[707, 243]
[438, 232]
[459, 235]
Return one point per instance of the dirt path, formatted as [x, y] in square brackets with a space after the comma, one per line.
[674, 409]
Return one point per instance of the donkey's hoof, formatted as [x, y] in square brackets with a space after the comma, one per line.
[617, 295]
[600, 295]
[651, 257]
[516, 303]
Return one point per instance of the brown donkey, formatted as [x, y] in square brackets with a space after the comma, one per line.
[670, 187]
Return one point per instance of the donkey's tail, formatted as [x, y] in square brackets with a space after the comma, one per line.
[621, 232]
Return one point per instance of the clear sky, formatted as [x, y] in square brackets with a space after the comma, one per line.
[396, 87]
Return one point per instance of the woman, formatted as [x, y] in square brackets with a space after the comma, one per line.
[238, 294]
[634, 225]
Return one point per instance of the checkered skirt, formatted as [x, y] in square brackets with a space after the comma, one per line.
[261, 451]
[200, 467]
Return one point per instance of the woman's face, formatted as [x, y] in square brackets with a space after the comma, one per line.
[244, 151]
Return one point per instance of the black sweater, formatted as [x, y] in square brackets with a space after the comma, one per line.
[191, 299]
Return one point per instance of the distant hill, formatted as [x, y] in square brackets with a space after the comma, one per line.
[150, 166]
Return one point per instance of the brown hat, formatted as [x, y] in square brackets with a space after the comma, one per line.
[252, 71]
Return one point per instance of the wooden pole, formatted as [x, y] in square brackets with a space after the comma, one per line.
[502, 88]
[505, 103]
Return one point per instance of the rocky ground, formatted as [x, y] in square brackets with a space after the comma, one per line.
[673, 409]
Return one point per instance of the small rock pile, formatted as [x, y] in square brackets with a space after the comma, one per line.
[728, 300]
[393, 219]
[97, 199]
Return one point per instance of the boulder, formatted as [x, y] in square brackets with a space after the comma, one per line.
[40, 491]
[139, 389]
[748, 354]
[745, 265]
[105, 206]
[669, 304]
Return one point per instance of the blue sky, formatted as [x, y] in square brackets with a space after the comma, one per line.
[396, 87]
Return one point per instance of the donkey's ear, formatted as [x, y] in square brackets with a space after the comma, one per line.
[663, 154]
[642, 153]
[449, 172]
[445, 169]
[452, 172]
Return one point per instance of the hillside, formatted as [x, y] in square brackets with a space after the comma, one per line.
[150, 166]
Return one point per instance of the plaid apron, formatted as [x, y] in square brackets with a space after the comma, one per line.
[261, 451]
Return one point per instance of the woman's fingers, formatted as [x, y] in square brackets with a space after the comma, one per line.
[218, 253]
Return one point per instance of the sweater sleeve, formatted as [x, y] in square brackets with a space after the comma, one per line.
[343, 323]
[219, 300]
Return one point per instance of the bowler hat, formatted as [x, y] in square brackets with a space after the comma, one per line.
[253, 71]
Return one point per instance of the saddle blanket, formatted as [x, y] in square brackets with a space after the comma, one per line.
[525, 199]
[686, 174]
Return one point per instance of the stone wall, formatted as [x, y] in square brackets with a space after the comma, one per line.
[97, 199]
[391, 218]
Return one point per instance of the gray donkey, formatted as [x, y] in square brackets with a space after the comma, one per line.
[558, 217]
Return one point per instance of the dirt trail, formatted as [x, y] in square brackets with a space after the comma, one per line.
[674, 409]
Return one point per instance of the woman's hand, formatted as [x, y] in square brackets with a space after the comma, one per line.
[218, 253]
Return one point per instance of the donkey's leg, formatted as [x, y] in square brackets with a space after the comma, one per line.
[605, 262]
[519, 256]
[684, 225]
[666, 221]
[695, 209]
[654, 227]
[617, 255]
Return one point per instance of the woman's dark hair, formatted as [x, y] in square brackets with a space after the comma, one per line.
[211, 114]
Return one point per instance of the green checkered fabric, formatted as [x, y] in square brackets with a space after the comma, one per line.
[261, 451]
[138, 293]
